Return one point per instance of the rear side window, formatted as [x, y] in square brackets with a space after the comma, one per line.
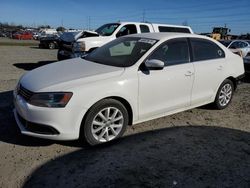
[173, 29]
[205, 50]
[172, 52]
[144, 29]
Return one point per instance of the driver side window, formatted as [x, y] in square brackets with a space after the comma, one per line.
[172, 52]
[127, 30]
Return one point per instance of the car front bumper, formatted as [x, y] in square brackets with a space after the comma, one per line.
[48, 123]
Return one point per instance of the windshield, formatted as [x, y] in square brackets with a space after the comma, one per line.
[107, 29]
[122, 52]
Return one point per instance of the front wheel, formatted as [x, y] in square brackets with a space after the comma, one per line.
[106, 121]
[224, 94]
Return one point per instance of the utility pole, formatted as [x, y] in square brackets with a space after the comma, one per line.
[88, 22]
[143, 15]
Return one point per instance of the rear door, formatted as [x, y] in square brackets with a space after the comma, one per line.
[209, 64]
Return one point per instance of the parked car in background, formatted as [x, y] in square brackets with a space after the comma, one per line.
[48, 31]
[238, 46]
[2, 34]
[44, 33]
[248, 41]
[97, 96]
[23, 36]
[90, 40]
[49, 42]
[36, 35]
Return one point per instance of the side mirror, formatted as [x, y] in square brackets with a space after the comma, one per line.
[154, 64]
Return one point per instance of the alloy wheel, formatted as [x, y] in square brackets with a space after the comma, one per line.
[225, 94]
[107, 124]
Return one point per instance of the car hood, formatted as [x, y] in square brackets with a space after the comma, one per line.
[65, 73]
[70, 36]
[91, 32]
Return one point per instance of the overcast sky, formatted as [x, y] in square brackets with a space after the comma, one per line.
[200, 15]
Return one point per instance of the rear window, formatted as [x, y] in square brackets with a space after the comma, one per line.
[205, 50]
[173, 29]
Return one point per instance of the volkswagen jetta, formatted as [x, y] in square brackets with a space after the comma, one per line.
[127, 81]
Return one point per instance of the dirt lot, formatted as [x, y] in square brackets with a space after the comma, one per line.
[198, 148]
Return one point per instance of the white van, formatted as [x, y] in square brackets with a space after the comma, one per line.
[48, 31]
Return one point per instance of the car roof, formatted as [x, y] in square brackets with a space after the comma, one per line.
[152, 23]
[167, 35]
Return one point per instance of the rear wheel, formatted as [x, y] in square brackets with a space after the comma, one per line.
[224, 94]
[106, 121]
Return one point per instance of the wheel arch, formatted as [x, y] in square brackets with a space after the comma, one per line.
[233, 80]
[127, 106]
[120, 99]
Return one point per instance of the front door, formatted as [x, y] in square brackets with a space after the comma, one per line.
[169, 89]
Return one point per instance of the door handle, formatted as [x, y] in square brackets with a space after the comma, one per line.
[189, 73]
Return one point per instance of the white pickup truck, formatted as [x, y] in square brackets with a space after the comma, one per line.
[90, 40]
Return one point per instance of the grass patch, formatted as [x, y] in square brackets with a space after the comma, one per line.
[18, 44]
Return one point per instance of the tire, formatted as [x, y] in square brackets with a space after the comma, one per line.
[105, 121]
[52, 45]
[224, 94]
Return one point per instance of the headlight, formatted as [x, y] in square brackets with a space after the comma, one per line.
[79, 47]
[53, 100]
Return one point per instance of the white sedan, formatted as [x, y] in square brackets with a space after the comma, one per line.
[238, 46]
[127, 81]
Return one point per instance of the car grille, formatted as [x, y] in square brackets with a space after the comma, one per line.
[25, 93]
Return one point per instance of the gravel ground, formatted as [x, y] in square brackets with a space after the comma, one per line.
[197, 148]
